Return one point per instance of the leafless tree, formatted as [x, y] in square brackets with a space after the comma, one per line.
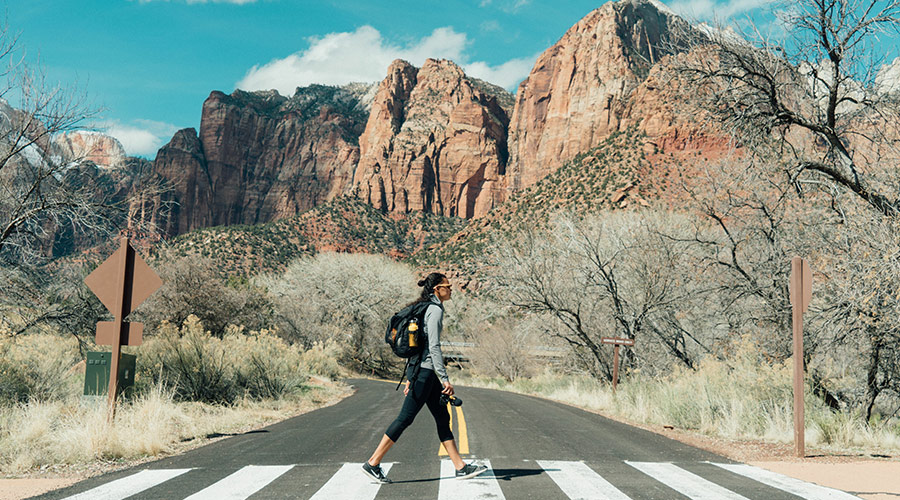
[40, 196]
[612, 274]
[347, 298]
[817, 94]
[33, 197]
[193, 286]
[860, 279]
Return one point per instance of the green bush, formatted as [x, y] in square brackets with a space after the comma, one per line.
[36, 367]
[198, 366]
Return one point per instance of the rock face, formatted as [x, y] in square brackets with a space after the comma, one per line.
[428, 139]
[260, 156]
[101, 149]
[435, 141]
[575, 94]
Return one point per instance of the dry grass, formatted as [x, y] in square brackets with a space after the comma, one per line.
[76, 431]
[742, 397]
[54, 425]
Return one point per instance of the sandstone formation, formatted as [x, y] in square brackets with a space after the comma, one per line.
[261, 156]
[101, 149]
[434, 142]
[576, 92]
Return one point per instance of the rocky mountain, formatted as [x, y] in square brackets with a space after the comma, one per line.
[579, 89]
[427, 139]
[434, 142]
[260, 156]
[888, 78]
[101, 149]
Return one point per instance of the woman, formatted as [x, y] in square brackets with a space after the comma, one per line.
[430, 382]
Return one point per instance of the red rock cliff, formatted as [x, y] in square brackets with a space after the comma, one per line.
[575, 95]
[260, 156]
[433, 142]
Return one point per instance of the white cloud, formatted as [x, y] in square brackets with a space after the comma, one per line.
[712, 10]
[141, 137]
[507, 75]
[364, 56]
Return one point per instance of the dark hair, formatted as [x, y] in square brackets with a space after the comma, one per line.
[428, 285]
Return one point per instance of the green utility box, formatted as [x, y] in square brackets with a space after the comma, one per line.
[96, 373]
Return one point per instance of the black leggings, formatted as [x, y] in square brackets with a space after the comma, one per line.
[426, 389]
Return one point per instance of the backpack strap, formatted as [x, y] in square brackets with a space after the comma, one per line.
[424, 307]
[402, 376]
[406, 367]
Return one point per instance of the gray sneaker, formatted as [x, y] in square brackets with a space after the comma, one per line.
[375, 472]
[470, 470]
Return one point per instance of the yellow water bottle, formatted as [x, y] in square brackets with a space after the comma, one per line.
[413, 328]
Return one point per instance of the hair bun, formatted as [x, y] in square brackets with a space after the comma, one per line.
[421, 282]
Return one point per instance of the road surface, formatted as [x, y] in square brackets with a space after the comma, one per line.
[534, 448]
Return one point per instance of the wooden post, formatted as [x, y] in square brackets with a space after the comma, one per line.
[616, 342]
[615, 366]
[800, 294]
[123, 306]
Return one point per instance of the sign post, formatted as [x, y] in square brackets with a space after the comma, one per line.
[800, 293]
[121, 283]
[616, 342]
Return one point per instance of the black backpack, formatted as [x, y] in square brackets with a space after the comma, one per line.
[406, 333]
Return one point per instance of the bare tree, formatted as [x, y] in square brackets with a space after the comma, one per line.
[33, 197]
[193, 286]
[347, 298]
[861, 318]
[612, 274]
[39, 196]
[817, 94]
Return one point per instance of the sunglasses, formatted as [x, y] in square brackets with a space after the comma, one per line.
[444, 284]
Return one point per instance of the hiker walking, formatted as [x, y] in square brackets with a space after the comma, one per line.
[427, 382]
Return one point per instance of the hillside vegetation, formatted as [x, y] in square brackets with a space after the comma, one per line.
[343, 225]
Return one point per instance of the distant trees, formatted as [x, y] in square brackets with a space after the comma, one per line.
[614, 274]
[346, 298]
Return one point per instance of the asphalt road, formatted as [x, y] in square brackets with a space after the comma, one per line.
[536, 449]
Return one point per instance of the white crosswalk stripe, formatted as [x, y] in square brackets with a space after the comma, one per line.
[684, 482]
[579, 482]
[484, 486]
[794, 486]
[129, 485]
[576, 480]
[242, 483]
[350, 483]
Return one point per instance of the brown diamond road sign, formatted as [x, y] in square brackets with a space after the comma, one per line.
[122, 282]
[136, 283]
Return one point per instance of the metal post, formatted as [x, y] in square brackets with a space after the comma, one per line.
[121, 310]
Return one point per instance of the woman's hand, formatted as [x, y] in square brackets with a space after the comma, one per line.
[448, 389]
[406, 388]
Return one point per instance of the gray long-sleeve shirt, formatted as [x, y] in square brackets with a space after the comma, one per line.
[432, 358]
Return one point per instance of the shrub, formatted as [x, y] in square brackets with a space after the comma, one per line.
[36, 367]
[198, 366]
[193, 286]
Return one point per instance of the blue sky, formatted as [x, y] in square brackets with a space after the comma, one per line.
[151, 63]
